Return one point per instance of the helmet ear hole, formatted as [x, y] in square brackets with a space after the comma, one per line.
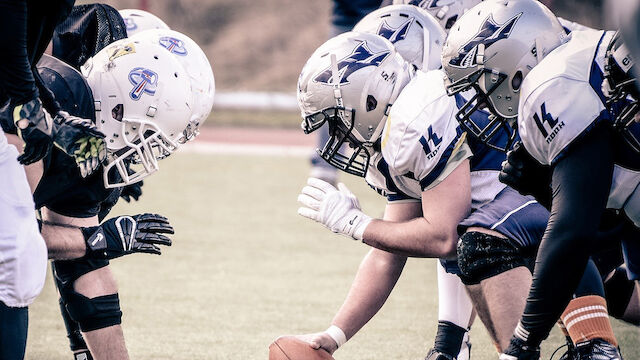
[117, 112]
[516, 81]
[450, 22]
[372, 103]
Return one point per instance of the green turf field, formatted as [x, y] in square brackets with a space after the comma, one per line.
[245, 268]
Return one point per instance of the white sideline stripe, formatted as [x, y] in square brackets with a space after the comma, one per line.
[255, 101]
[504, 218]
[246, 149]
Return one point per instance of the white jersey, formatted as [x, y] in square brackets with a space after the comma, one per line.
[422, 143]
[562, 99]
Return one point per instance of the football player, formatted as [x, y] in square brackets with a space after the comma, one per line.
[141, 132]
[523, 66]
[27, 27]
[422, 163]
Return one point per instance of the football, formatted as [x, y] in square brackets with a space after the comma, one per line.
[292, 348]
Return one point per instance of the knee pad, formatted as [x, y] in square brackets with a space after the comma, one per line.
[95, 313]
[618, 290]
[90, 314]
[482, 256]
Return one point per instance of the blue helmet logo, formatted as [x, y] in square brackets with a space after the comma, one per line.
[361, 57]
[395, 35]
[489, 33]
[175, 46]
[130, 23]
[144, 81]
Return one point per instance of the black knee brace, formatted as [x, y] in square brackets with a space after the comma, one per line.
[90, 314]
[481, 256]
[619, 289]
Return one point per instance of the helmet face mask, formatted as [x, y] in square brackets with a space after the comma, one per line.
[343, 150]
[621, 90]
[499, 132]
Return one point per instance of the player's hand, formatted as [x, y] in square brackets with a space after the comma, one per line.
[320, 340]
[35, 127]
[124, 235]
[525, 174]
[337, 209]
[132, 191]
[80, 139]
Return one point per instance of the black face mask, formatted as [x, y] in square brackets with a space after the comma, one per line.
[494, 131]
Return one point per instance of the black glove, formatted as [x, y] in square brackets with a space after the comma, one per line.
[80, 138]
[35, 127]
[518, 350]
[526, 175]
[132, 191]
[124, 235]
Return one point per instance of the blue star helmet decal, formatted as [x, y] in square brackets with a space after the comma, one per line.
[489, 33]
[395, 35]
[359, 58]
[427, 4]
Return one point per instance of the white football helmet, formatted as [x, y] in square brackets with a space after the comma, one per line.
[416, 35]
[143, 105]
[350, 82]
[491, 50]
[197, 67]
[446, 12]
[140, 20]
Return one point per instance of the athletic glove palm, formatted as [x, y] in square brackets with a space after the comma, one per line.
[80, 139]
[337, 209]
[124, 235]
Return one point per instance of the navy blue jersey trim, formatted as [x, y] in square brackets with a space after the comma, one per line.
[383, 167]
[596, 76]
[444, 159]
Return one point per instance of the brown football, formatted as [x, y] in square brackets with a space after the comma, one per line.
[292, 348]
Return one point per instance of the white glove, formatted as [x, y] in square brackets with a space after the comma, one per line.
[339, 210]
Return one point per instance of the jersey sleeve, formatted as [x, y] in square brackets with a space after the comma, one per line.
[422, 135]
[555, 113]
[380, 179]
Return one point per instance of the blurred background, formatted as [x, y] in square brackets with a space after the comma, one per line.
[261, 46]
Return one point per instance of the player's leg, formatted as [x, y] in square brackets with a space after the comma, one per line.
[455, 314]
[498, 290]
[106, 341]
[89, 293]
[496, 255]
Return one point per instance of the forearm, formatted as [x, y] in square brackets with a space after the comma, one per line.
[64, 242]
[63, 236]
[376, 278]
[416, 238]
